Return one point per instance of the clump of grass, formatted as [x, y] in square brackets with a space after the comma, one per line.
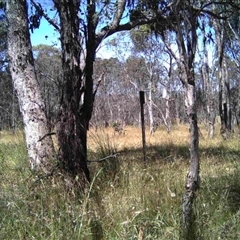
[145, 201]
[38, 208]
[217, 205]
[105, 154]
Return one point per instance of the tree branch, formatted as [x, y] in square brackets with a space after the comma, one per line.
[46, 135]
[104, 159]
[98, 84]
[118, 14]
[110, 30]
[50, 21]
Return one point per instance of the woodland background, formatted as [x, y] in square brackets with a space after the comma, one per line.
[80, 115]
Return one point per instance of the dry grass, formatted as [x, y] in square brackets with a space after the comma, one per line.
[146, 198]
[7, 137]
[132, 137]
[127, 199]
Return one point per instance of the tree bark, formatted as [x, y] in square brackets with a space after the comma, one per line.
[192, 180]
[186, 38]
[187, 77]
[39, 142]
[72, 126]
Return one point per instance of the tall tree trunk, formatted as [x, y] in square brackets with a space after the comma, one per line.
[187, 45]
[192, 180]
[224, 100]
[167, 111]
[13, 113]
[78, 97]
[39, 143]
[224, 96]
[211, 117]
[88, 100]
[209, 99]
[150, 107]
[72, 127]
[167, 95]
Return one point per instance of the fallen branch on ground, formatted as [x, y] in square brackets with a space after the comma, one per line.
[103, 159]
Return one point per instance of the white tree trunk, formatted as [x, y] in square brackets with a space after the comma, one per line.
[150, 108]
[167, 110]
[39, 142]
[209, 99]
[224, 95]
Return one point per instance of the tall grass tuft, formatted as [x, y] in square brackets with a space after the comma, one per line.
[105, 154]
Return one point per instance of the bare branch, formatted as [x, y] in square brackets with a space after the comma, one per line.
[134, 84]
[110, 30]
[128, 77]
[118, 14]
[98, 84]
[104, 159]
[46, 135]
[50, 21]
[160, 111]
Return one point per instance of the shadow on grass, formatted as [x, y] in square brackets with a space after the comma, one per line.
[217, 206]
[218, 201]
[162, 154]
[170, 152]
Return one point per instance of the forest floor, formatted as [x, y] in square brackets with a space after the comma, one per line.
[127, 198]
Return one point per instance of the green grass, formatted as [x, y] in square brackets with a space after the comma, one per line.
[127, 199]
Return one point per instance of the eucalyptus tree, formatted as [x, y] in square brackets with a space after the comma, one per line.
[8, 106]
[140, 75]
[209, 90]
[107, 109]
[223, 78]
[39, 143]
[82, 26]
[80, 38]
[158, 63]
[226, 35]
[233, 53]
[186, 41]
[184, 29]
[49, 77]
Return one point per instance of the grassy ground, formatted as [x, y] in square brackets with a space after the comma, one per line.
[127, 199]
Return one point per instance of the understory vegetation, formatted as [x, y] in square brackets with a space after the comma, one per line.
[127, 198]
